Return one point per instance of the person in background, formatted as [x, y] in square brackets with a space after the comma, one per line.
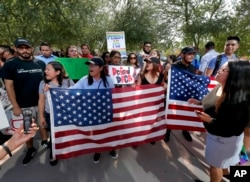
[46, 51]
[22, 77]
[72, 52]
[156, 53]
[206, 58]
[6, 54]
[97, 78]
[231, 45]
[187, 56]
[55, 77]
[172, 58]
[17, 139]
[115, 57]
[106, 59]
[133, 61]
[147, 47]
[226, 115]
[86, 53]
[197, 57]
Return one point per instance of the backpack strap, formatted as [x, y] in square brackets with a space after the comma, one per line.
[217, 64]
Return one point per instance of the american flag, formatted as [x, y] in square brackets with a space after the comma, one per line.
[182, 86]
[88, 121]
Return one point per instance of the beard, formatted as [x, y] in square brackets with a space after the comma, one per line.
[147, 52]
[25, 56]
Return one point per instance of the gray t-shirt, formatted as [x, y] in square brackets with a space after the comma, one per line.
[65, 84]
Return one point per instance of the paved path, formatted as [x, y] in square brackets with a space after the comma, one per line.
[176, 161]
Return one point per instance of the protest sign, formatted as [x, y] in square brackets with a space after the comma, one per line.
[116, 41]
[122, 75]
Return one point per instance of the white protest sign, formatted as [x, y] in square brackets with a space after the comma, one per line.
[122, 75]
[116, 41]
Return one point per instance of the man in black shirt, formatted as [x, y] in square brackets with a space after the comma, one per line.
[187, 55]
[22, 77]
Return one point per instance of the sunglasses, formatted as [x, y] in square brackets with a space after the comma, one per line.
[132, 58]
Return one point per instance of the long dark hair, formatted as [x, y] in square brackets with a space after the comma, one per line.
[155, 71]
[128, 60]
[237, 86]
[58, 67]
[104, 56]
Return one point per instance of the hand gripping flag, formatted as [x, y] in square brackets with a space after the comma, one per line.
[182, 86]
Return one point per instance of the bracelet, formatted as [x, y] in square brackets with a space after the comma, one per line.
[7, 150]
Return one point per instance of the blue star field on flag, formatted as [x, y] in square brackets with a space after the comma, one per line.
[82, 107]
[185, 85]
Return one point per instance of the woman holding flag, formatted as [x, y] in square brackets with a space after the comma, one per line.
[55, 77]
[152, 75]
[225, 116]
[97, 79]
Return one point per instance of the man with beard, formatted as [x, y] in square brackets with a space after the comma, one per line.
[187, 56]
[147, 47]
[22, 77]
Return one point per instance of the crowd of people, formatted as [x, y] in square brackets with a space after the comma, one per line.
[27, 78]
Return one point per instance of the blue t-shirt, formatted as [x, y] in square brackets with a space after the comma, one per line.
[83, 84]
[46, 60]
[224, 59]
[196, 61]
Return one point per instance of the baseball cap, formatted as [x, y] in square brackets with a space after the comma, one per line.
[22, 41]
[186, 50]
[95, 60]
[153, 60]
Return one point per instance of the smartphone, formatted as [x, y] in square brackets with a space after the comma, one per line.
[27, 120]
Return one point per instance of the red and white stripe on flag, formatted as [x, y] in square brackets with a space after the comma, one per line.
[180, 114]
[138, 117]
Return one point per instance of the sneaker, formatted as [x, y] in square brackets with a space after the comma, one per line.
[187, 135]
[97, 157]
[29, 155]
[53, 162]
[45, 144]
[113, 154]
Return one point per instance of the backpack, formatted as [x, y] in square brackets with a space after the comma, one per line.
[217, 64]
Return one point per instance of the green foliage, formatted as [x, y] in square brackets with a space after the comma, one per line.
[169, 24]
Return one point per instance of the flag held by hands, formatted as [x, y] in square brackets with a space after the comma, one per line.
[88, 121]
[182, 86]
